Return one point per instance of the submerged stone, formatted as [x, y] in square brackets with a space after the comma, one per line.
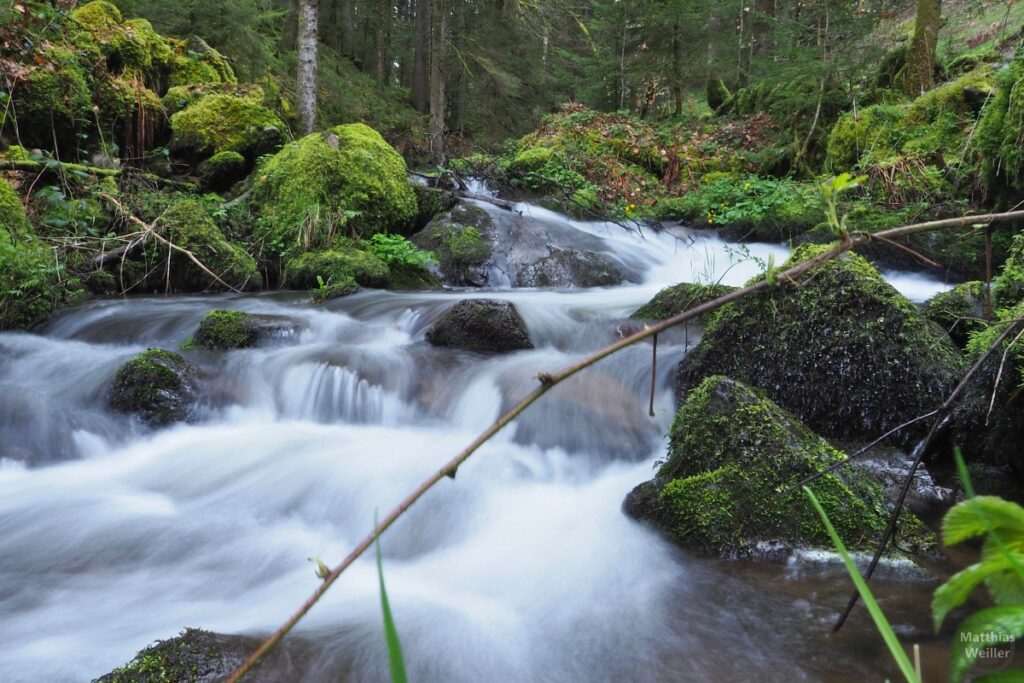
[481, 325]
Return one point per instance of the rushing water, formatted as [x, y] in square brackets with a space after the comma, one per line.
[523, 568]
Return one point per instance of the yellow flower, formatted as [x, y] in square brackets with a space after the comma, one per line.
[747, 186]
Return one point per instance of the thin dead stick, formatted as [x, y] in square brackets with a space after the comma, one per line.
[654, 372]
[549, 380]
[999, 375]
[941, 417]
[904, 248]
[163, 240]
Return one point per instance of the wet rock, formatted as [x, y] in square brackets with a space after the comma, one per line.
[157, 386]
[960, 311]
[222, 330]
[481, 325]
[570, 268]
[431, 201]
[675, 299]
[844, 351]
[729, 486]
[462, 241]
[198, 656]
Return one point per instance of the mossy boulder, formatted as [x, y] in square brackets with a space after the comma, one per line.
[874, 133]
[570, 268]
[227, 330]
[844, 351]
[960, 311]
[430, 202]
[188, 225]
[198, 656]
[195, 62]
[675, 299]
[481, 325]
[989, 422]
[730, 484]
[225, 123]
[463, 241]
[180, 97]
[221, 171]
[56, 91]
[999, 134]
[157, 386]
[345, 180]
[339, 266]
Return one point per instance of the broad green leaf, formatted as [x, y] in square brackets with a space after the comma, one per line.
[956, 590]
[979, 515]
[1006, 620]
[877, 615]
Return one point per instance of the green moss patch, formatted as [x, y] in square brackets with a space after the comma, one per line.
[158, 386]
[729, 484]
[462, 240]
[336, 266]
[227, 330]
[844, 351]
[225, 123]
[346, 181]
[675, 299]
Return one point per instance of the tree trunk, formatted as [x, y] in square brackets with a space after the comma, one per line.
[677, 69]
[382, 40]
[307, 64]
[762, 27]
[291, 26]
[918, 73]
[437, 76]
[421, 58]
[347, 19]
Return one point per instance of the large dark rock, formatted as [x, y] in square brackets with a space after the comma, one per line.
[481, 325]
[844, 351]
[729, 486]
[960, 311]
[570, 268]
[157, 386]
[198, 656]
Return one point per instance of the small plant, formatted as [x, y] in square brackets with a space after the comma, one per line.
[395, 657]
[831, 190]
[396, 250]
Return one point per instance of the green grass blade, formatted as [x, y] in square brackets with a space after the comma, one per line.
[881, 623]
[395, 657]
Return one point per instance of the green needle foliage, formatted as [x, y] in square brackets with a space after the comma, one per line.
[881, 623]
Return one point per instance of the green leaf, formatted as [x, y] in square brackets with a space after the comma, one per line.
[979, 515]
[395, 657]
[881, 623]
[956, 590]
[1003, 621]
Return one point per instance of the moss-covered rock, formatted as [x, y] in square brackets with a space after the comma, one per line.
[844, 351]
[347, 180]
[157, 386]
[989, 422]
[675, 299]
[225, 123]
[873, 133]
[227, 330]
[198, 656]
[336, 266]
[222, 170]
[430, 202]
[195, 62]
[12, 213]
[960, 311]
[334, 290]
[481, 325]
[1000, 132]
[729, 486]
[180, 97]
[189, 226]
[462, 241]
[55, 100]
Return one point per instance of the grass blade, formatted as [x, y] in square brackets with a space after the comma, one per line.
[395, 657]
[881, 623]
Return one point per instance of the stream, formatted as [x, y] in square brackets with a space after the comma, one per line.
[523, 568]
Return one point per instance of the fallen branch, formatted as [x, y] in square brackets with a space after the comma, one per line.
[549, 380]
[151, 232]
[61, 167]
